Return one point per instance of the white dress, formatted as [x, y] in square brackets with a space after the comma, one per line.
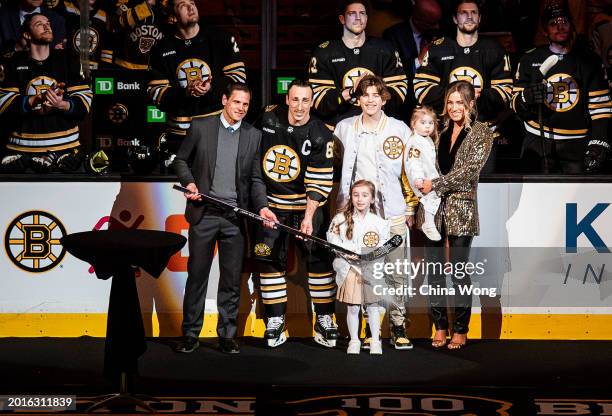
[356, 280]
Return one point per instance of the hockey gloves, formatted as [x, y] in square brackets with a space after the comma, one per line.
[596, 156]
[534, 94]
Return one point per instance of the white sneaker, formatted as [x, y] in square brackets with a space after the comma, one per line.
[375, 347]
[431, 232]
[354, 347]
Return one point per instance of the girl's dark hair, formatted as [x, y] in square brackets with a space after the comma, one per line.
[350, 208]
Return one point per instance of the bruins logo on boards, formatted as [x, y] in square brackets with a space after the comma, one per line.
[32, 241]
[94, 40]
[281, 164]
[465, 73]
[562, 93]
[393, 147]
[192, 70]
[370, 239]
[39, 85]
[262, 250]
[118, 113]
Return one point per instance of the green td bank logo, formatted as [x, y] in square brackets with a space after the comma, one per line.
[282, 84]
[154, 115]
[105, 86]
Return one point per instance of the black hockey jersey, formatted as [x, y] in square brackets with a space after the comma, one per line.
[577, 103]
[175, 62]
[485, 64]
[100, 49]
[139, 27]
[56, 130]
[297, 160]
[335, 67]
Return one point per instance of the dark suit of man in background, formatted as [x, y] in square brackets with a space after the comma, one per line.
[12, 17]
[410, 39]
[220, 157]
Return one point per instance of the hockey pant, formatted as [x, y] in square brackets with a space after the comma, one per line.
[270, 251]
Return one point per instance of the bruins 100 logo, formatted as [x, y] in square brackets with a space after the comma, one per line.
[32, 241]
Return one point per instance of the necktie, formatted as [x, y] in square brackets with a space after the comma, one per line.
[231, 129]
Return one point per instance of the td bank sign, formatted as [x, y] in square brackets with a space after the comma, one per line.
[108, 86]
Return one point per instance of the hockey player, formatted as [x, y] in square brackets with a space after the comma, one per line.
[337, 66]
[297, 156]
[100, 49]
[190, 70]
[574, 99]
[480, 61]
[43, 97]
[139, 26]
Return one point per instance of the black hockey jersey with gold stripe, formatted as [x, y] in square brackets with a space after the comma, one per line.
[577, 104]
[335, 67]
[485, 64]
[175, 62]
[139, 28]
[100, 47]
[297, 161]
[57, 130]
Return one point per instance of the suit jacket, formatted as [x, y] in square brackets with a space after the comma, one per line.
[196, 159]
[400, 35]
[10, 27]
[458, 188]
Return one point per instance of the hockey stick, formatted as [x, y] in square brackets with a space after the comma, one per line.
[381, 251]
[544, 68]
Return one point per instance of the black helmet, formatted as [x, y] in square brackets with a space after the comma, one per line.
[143, 159]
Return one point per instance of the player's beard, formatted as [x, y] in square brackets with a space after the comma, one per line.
[42, 40]
[463, 29]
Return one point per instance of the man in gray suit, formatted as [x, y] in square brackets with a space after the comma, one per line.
[220, 157]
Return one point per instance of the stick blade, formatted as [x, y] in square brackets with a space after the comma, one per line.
[393, 243]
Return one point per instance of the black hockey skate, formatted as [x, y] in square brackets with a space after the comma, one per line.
[275, 331]
[326, 331]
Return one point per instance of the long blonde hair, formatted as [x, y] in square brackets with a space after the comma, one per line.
[421, 112]
[350, 208]
[468, 95]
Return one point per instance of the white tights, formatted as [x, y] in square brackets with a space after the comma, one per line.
[352, 320]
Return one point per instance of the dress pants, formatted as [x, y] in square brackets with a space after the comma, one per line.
[459, 252]
[229, 232]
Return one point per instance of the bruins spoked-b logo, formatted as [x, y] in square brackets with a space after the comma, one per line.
[465, 73]
[393, 147]
[562, 92]
[39, 85]
[281, 164]
[32, 241]
[94, 39]
[370, 239]
[192, 70]
[352, 76]
[118, 113]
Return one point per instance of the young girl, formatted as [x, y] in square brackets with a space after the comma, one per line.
[358, 229]
[421, 164]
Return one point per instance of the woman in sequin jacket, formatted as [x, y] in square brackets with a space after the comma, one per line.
[463, 149]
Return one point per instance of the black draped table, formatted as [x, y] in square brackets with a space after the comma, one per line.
[114, 253]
